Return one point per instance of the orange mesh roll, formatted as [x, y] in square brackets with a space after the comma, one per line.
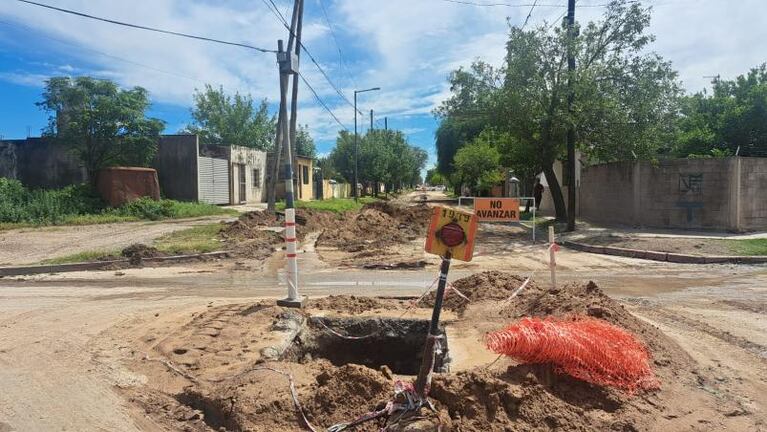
[586, 348]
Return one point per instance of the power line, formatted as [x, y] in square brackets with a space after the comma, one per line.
[341, 62]
[321, 102]
[142, 27]
[284, 22]
[529, 14]
[22, 26]
[521, 5]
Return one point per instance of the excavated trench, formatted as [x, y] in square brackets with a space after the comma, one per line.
[372, 342]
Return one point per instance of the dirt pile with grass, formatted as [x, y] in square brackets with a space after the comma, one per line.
[235, 392]
[377, 226]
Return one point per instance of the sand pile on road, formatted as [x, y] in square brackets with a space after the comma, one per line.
[354, 304]
[490, 285]
[377, 226]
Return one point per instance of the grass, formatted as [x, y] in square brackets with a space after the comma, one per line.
[85, 256]
[336, 205]
[749, 247]
[199, 239]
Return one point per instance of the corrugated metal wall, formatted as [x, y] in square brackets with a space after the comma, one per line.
[213, 180]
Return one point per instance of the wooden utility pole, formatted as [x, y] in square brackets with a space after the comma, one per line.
[371, 119]
[294, 98]
[571, 127]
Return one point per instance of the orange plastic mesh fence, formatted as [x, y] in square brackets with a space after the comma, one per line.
[589, 349]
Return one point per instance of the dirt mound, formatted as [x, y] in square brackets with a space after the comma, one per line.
[138, 251]
[491, 285]
[355, 305]
[377, 226]
[260, 218]
[259, 244]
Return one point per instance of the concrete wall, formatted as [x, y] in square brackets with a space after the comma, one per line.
[254, 162]
[41, 163]
[305, 179]
[752, 211]
[176, 165]
[8, 160]
[719, 194]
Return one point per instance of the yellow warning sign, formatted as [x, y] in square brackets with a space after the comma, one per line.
[497, 209]
[451, 232]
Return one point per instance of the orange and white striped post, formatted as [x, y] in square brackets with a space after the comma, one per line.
[293, 299]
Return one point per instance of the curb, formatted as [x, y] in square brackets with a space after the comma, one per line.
[102, 265]
[664, 256]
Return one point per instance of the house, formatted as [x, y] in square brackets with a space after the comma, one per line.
[303, 178]
[191, 171]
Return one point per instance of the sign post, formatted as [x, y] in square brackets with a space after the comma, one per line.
[451, 235]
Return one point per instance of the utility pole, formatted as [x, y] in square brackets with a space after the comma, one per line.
[571, 127]
[371, 119]
[386, 123]
[294, 98]
[288, 65]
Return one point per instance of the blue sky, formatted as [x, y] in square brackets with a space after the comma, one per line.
[407, 47]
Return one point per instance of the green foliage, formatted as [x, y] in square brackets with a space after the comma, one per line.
[81, 205]
[44, 207]
[222, 119]
[735, 115]
[305, 143]
[198, 239]
[434, 178]
[748, 246]
[477, 165]
[101, 123]
[384, 157]
[625, 97]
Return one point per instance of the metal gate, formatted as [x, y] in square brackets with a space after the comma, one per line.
[213, 180]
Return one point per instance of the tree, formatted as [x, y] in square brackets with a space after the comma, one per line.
[478, 165]
[733, 116]
[101, 123]
[625, 96]
[435, 178]
[222, 119]
[384, 157]
[305, 143]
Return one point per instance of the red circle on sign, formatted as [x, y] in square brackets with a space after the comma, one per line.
[452, 234]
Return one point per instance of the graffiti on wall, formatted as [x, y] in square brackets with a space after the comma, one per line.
[691, 190]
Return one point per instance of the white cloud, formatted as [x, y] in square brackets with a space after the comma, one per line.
[406, 47]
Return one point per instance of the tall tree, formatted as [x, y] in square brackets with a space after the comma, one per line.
[224, 119]
[103, 124]
[733, 116]
[625, 95]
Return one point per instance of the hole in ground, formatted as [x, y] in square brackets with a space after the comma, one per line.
[396, 343]
[217, 413]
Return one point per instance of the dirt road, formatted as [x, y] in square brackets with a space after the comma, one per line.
[32, 245]
[63, 345]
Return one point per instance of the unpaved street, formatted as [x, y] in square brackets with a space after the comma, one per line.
[62, 361]
[32, 245]
[68, 341]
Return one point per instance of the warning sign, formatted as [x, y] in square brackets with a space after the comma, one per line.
[497, 209]
[451, 231]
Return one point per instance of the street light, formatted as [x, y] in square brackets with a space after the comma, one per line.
[356, 150]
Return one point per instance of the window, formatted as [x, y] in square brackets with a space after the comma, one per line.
[305, 174]
[256, 178]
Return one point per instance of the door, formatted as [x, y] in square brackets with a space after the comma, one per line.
[213, 180]
[243, 183]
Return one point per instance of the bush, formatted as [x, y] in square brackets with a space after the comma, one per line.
[18, 204]
[80, 204]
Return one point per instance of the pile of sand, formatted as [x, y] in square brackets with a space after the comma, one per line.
[377, 226]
